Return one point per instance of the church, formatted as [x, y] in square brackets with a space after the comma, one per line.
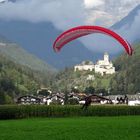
[103, 67]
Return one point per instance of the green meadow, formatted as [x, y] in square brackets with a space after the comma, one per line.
[72, 128]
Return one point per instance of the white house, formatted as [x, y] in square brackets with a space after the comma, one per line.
[2, 44]
[28, 99]
[85, 65]
[104, 66]
[91, 77]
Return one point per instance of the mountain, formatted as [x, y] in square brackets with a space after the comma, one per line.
[20, 72]
[128, 20]
[37, 38]
[127, 79]
[3, 39]
[22, 57]
[16, 80]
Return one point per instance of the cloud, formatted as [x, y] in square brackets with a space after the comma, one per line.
[64, 14]
[68, 13]
[92, 3]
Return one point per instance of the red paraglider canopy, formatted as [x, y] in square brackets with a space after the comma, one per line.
[80, 31]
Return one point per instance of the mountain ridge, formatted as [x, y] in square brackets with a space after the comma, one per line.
[127, 20]
[22, 57]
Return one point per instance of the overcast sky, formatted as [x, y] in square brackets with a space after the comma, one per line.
[64, 14]
[67, 13]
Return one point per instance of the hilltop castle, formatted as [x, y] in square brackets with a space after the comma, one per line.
[102, 66]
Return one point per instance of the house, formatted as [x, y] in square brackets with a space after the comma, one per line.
[99, 99]
[28, 99]
[90, 77]
[55, 99]
[95, 99]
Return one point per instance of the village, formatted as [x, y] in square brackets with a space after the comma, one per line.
[77, 98]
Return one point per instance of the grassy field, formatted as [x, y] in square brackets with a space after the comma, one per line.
[82, 128]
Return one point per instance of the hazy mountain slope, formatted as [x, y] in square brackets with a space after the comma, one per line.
[4, 39]
[38, 38]
[128, 20]
[20, 56]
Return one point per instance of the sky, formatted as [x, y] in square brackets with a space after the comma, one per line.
[64, 14]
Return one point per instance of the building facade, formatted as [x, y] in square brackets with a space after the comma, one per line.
[103, 67]
[85, 65]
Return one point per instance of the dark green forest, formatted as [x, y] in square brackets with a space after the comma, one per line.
[17, 80]
[127, 78]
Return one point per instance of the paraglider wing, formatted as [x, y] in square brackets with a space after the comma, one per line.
[80, 31]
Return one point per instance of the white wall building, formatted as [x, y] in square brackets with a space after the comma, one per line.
[85, 65]
[102, 66]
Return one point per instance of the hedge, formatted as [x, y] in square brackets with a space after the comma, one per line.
[27, 111]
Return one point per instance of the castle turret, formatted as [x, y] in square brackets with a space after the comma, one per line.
[106, 57]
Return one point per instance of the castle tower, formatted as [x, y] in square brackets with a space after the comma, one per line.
[106, 57]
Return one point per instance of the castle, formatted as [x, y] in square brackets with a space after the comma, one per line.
[102, 66]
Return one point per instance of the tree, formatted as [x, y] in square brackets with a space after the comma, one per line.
[102, 91]
[44, 92]
[75, 90]
[2, 97]
[7, 84]
[89, 90]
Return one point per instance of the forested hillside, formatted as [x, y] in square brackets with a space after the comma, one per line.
[127, 79]
[16, 80]
[81, 81]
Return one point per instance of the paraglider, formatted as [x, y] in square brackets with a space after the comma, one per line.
[80, 31]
